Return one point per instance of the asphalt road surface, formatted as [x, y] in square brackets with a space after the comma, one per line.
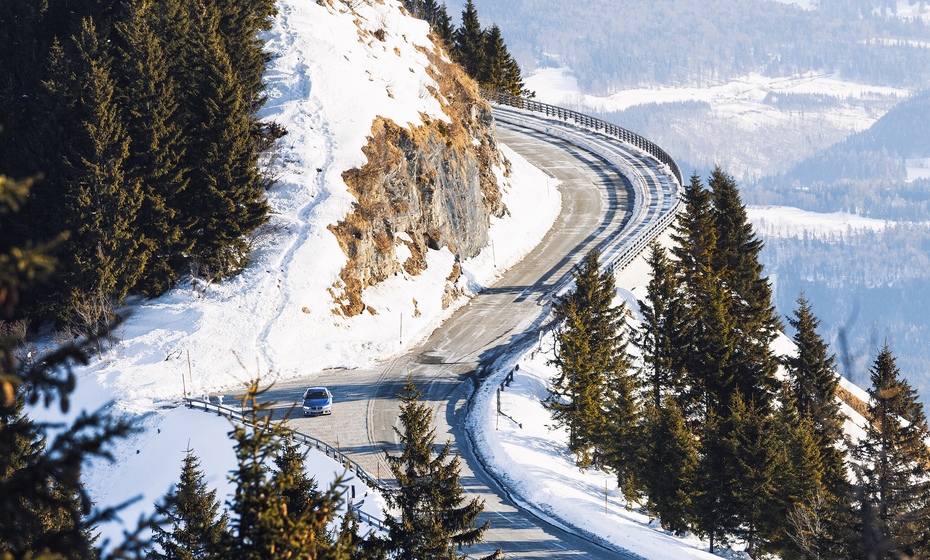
[596, 204]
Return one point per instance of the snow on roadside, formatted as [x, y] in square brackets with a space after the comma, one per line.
[532, 459]
[149, 464]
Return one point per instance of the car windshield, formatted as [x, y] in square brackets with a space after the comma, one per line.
[315, 395]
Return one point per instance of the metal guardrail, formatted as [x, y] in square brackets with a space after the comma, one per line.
[643, 240]
[585, 121]
[629, 248]
[239, 415]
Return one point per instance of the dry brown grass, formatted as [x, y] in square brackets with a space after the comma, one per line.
[853, 402]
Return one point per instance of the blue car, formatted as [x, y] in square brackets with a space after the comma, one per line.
[317, 401]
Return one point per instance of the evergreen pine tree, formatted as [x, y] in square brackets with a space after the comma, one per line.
[813, 383]
[736, 258]
[435, 517]
[665, 320]
[805, 474]
[196, 527]
[499, 71]
[816, 514]
[100, 201]
[241, 24]
[573, 392]
[695, 234]
[589, 347]
[299, 490]
[301, 495]
[714, 503]
[148, 96]
[468, 41]
[620, 434]
[894, 467]
[758, 461]
[493, 59]
[225, 200]
[352, 545]
[669, 466]
[710, 378]
[706, 342]
[47, 517]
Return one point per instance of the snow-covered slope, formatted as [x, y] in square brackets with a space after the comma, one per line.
[328, 80]
[334, 69]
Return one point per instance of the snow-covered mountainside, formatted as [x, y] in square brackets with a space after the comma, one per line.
[336, 68]
[330, 78]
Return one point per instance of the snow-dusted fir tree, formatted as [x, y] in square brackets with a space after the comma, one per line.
[813, 383]
[736, 259]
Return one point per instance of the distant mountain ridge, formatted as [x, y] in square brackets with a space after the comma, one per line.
[876, 153]
[616, 44]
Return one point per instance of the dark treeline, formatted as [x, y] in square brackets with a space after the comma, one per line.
[864, 174]
[480, 51]
[871, 160]
[705, 435]
[139, 116]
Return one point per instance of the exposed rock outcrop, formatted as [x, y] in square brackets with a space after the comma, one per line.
[423, 187]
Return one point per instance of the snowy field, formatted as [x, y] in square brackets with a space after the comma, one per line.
[789, 222]
[740, 99]
[918, 168]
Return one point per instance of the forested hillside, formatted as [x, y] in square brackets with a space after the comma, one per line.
[866, 173]
[138, 117]
[611, 45]
[715, 434]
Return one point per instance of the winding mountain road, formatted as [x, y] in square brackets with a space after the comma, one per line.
[612, 195]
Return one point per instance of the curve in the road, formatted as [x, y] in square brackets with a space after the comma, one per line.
[614, 195]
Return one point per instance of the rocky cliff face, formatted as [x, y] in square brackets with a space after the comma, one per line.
[423, 187]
